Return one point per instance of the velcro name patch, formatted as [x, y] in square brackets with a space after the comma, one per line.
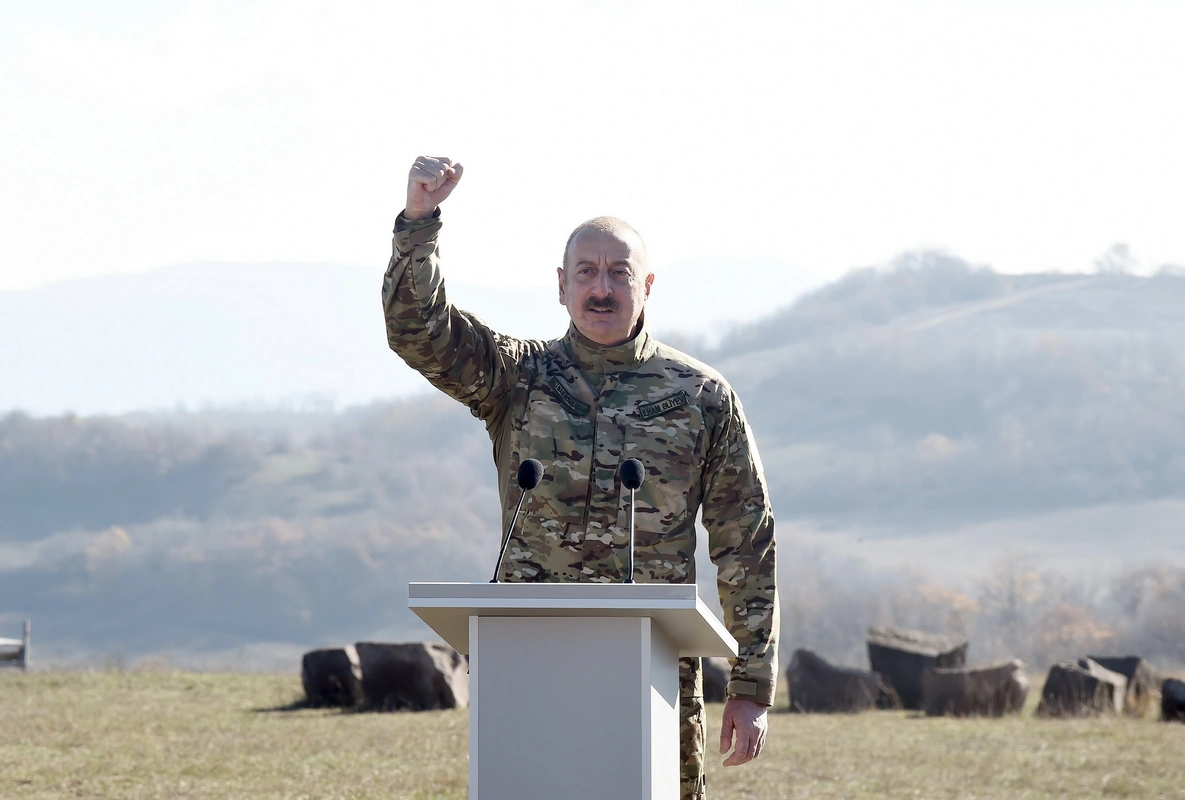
[567, 400]
[659, 407]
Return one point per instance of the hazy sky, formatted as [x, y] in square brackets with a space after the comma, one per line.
[830, 135]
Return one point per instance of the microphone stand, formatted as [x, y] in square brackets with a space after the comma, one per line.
[629, 577]
[530, 472]
[506, 541]
[632, 473]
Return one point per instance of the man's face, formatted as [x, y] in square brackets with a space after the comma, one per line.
[604, 284]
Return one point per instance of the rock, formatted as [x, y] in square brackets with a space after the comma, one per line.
[903, 656]
[332, 677]
[816, 686]
[419, 676]
[1172, 700]
[990, 691]
[1141, 681]
[717, 671]
[1081, 689]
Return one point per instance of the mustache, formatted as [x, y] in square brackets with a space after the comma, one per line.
[601, 304]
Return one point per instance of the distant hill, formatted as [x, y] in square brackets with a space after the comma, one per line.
[306, 336]
[922, 418]
[937, 392]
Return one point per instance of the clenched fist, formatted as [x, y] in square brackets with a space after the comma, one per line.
[429, 182]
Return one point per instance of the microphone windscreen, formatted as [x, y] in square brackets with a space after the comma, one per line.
[530, 472]
[632, 472]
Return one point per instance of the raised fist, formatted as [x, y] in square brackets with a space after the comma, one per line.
[429, 182]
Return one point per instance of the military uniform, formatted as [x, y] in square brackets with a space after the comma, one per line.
[581, 409]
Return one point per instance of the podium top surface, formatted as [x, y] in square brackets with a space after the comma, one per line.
[676, 608]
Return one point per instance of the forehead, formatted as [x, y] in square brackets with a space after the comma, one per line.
[591, 244]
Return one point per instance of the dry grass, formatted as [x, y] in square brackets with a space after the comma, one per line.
[184, 735]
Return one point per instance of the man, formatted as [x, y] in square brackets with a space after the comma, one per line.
[582, 404]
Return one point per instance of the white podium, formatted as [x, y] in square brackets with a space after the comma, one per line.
[573, 687]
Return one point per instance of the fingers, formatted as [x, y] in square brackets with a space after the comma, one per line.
[743, 753]
[430, 181]
[432, 173]
[748, 747]
[746, 721]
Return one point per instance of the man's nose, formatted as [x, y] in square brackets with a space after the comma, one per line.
[602, 284]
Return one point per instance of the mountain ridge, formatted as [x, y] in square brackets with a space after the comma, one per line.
[214, 334]
[925, 416]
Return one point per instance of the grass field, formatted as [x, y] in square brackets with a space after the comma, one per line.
[187, 735]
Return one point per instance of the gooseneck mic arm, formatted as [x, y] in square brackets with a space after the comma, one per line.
[530, 472]
[631, 473]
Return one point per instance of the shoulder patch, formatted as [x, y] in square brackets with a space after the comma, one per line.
[566, 398]
[651, 410]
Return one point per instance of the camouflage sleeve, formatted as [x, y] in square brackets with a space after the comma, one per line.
[740, 524]
[455, 350]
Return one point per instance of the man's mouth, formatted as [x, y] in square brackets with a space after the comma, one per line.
[601, 306]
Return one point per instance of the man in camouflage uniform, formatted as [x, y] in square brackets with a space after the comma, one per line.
[582, 404]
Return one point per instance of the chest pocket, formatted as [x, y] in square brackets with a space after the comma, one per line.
[671, 446]
[563, 443]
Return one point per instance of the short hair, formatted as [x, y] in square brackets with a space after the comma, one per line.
[610, 225]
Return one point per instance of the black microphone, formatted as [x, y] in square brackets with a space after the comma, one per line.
[530, 472]
[631, 473]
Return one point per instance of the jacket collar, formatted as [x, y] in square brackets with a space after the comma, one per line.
[599, 359]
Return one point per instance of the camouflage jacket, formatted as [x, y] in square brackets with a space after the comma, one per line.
[582, 409]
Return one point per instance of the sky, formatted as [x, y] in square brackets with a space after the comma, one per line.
[827, 135]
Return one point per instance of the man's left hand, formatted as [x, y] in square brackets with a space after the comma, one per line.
[747, 721]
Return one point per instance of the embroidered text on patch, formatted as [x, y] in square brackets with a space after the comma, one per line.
[651, 410]
[577, 407]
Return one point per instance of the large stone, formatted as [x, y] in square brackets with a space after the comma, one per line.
[1172, 700]
[1081, 689]
[419, 676]
[716, 674]
[1141, 681]
[332, 677]
[975, 691]
[902, 656]
[817, 686]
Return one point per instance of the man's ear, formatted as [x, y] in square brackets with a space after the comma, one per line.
[649, 280]
[559, 271]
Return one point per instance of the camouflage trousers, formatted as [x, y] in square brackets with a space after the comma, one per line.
[691, 730]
